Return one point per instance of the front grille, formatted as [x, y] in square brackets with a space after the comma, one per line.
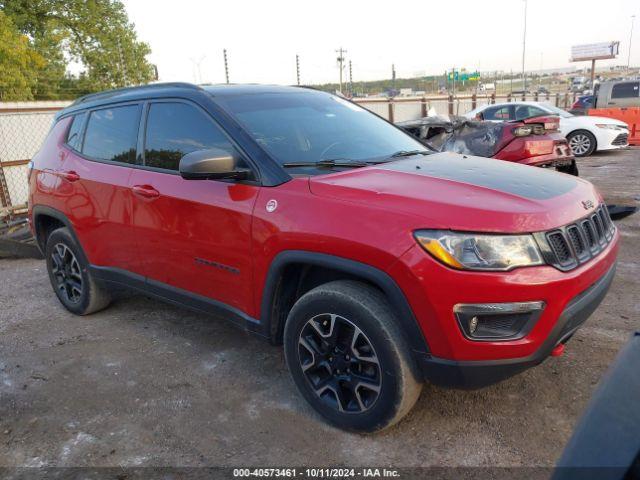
[621, 139]
[576, 240]
[569, 246]
[560, 247]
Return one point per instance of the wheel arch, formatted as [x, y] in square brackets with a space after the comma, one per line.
[46, 220]
[285, 283]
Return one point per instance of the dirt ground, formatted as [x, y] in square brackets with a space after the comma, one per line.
[146, 384]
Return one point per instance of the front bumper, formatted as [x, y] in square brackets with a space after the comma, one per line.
[433, 291]
[612, 139]
[477, 374]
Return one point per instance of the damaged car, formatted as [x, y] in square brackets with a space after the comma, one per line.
[533, 141]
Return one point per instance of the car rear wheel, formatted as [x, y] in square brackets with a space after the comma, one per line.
[348, 357]
[582, 143]
[571, 169]
[69, 274]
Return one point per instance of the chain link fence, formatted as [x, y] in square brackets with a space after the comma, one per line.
[399, 109]
[22, 131]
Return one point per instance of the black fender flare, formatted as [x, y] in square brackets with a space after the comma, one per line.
[404, 313]
[42, 210]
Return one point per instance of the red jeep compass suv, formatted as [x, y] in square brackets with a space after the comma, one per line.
[312, 222]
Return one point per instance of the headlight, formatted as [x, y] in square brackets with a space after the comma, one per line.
[608, 126]
[471, 251]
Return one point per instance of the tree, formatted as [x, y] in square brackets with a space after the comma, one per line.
[19, 63]
[96, 34]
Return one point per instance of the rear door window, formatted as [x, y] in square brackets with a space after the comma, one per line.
[626, 90]
[175, 129]
[74, 135]
[496, 113]
[112, 134]
[528, 111]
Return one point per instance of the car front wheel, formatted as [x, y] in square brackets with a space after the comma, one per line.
[582, 143]
[348, 357]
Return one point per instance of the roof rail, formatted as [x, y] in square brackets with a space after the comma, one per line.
[118, 91]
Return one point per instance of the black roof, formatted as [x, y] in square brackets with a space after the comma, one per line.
[225, 90]
[168, 89]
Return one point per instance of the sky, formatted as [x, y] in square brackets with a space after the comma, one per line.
[262, 38]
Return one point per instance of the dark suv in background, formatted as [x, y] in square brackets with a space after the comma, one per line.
[309, 221]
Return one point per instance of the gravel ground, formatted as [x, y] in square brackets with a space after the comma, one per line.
[147, 384]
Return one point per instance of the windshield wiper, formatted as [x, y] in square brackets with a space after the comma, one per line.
[329, 163]
[409, 153]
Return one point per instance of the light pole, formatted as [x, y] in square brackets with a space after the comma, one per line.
[197, 72]
[524, 47]
[341, 51]
[633, 17]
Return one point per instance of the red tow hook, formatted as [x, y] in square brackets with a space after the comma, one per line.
[558, 350]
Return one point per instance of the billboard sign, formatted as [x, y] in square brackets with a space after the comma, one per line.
[594, 51]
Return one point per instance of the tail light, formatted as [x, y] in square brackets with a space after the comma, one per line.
[548, 124]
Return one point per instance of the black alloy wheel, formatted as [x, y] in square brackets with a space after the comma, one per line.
[66, 272]
[340, 363]
[70, 275]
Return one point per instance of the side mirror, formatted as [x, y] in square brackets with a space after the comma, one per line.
[212, 164]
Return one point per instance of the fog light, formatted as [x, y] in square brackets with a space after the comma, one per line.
[497, 321]
[473, 324]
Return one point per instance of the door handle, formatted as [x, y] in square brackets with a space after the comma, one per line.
[69, 175]
[146, 191]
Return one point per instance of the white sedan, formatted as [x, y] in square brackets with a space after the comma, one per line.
[585, 134]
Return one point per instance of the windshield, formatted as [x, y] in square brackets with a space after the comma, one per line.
[558, 111]
[309, 127]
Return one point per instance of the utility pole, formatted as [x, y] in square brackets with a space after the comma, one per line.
[341, 51]
[524, 46]
[393, 76]
[123, 67]
[633, 17]
[540, 72]
[350, 80]
[298, 69]
[226, 65]
[453, 81]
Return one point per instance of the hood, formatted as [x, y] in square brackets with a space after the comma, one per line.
[460, 192]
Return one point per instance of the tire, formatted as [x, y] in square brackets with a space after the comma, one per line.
[69, 274]
[569, 169]
[582, 142]
[342, 336]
